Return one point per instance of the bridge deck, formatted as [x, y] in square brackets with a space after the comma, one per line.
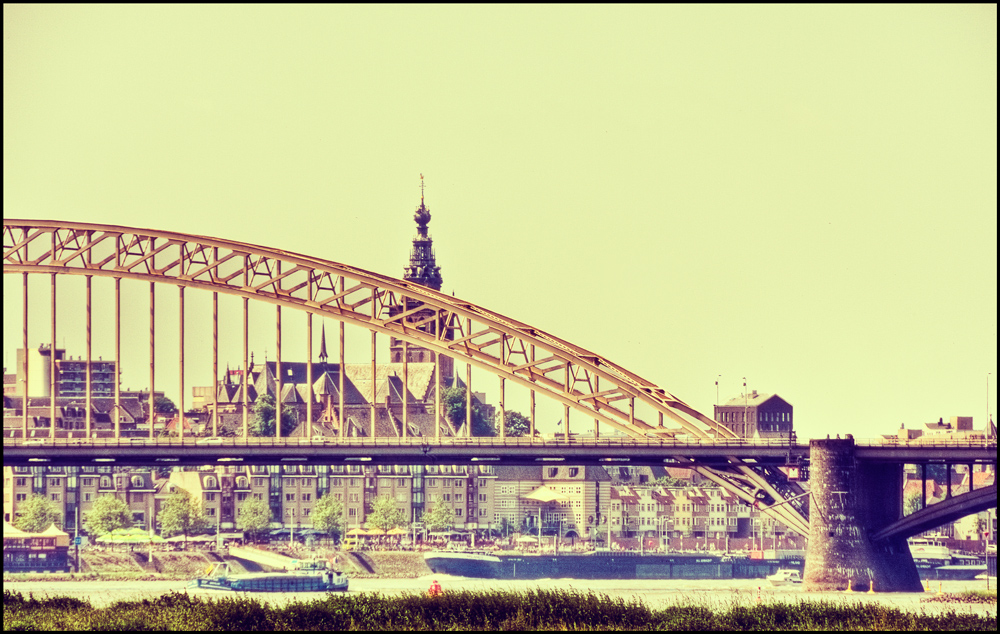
[198, 451]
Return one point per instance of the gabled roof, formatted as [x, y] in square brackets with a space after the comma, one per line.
[750, 400]
[514, 473]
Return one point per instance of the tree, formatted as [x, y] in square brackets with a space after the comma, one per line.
[506, 526]
[262, 421]
[254, 516]
[516, 424]
[328, 516]
[36, 514]
[453, 402]
[385, 513]
[438, 517]
[599, 532]
[163, 405]
[181, 514]
[911, 504]
[108, 513]
[667, 481]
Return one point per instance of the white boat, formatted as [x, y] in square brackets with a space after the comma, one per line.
[785, 577]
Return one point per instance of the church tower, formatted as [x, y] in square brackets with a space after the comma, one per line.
[423, 270]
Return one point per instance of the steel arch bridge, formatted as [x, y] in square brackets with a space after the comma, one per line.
[514, 351]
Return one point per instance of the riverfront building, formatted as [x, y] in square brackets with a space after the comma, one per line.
[757, 415]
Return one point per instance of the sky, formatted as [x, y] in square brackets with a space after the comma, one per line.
[804, 196]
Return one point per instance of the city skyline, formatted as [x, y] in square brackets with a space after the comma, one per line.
[802, 196]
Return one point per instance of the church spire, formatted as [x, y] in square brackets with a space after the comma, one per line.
[422, 268]
[322, 344]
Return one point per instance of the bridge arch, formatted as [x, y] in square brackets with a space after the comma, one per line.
[486, 339]
[569, 374]
[943, 512]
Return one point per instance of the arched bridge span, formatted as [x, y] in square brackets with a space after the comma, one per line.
[579, 379]
[943, 512]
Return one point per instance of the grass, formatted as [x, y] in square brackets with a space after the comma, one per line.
[467, 610]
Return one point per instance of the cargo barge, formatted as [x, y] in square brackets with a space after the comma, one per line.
[607, 565]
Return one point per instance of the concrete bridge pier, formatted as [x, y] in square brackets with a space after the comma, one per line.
[850, 501]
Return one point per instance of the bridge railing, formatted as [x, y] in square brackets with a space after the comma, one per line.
[487, 441]
[243, 441]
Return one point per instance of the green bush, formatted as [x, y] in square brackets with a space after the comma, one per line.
[464, 610]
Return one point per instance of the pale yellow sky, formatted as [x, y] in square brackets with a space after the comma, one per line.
[802, 195]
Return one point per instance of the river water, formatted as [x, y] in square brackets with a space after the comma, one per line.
[653, 592]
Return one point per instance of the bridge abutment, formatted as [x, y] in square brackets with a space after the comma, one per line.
[850, 501]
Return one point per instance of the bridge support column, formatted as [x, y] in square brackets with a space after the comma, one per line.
[851, 500]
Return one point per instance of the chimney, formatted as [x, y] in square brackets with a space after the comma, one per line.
[754, 395]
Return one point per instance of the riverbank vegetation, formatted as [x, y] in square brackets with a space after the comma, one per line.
[969, 596]
[487, 611]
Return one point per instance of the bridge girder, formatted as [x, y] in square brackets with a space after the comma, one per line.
[586, 382]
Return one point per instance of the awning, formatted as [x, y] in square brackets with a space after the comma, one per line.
[545, 494]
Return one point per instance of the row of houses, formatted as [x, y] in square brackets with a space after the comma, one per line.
[574, 502]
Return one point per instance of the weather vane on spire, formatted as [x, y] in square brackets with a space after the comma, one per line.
[421, 188]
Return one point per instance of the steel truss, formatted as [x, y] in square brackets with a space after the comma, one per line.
[579, 379]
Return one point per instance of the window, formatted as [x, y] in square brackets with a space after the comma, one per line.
[137, 481]
[21, 482]
[86, 497]
[482, 512]
[447, 497]
[21, 497]
[289, 497]
[210, 482]
[354, 497]
[339, 497]
[240, 497]
[401, 482]
[55, 497]
[209, 497]
[353, 482]
[305, 512]
[482, 497]
[242, 482]
[105, 482]
[336, 482]
[458, 497]
[459, 483]
[573, 471]
[258, 496]
[458, 512]
[383, 482]
[553, 472]
[307, 497]
[431, 482]
[352, 512]
[53, 482]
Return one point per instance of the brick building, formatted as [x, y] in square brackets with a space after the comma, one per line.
[757, 415]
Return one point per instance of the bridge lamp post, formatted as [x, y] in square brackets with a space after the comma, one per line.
[746, 399]
[716, 428]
